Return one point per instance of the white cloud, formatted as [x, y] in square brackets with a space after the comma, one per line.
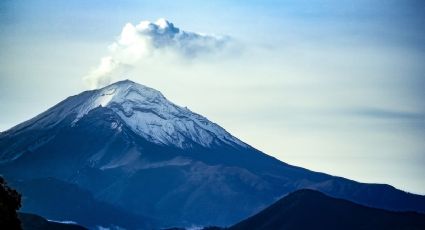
[148, 40]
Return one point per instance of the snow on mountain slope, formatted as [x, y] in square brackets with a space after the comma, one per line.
[146, 111]
[128, 147]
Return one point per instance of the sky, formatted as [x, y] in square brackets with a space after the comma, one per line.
[335, 86]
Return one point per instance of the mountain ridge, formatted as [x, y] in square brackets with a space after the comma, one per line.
[213, 181]
[35, 222]
[310, 209]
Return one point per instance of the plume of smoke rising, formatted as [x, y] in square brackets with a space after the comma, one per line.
[138, 43]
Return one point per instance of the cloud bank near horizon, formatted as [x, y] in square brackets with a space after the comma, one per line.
[147, 41]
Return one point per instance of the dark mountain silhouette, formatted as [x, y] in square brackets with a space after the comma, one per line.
[36, 222]
[68, 202]
[127, 149]
[309, 209]
[10, 202]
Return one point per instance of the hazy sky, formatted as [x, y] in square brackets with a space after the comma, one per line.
[335, 86]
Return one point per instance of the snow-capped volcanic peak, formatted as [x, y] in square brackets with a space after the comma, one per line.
[148, 113]
[125, 93]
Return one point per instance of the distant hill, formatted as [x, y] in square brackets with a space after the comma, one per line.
[76, 204]
[35, 222]
[309, 209]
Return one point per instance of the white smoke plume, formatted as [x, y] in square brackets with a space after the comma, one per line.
[147, 39]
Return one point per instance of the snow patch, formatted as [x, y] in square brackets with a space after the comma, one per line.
[63, 221]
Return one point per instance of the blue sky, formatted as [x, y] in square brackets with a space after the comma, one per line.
[331, 85]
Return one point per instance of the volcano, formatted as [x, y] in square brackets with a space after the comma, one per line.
[125, 156]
